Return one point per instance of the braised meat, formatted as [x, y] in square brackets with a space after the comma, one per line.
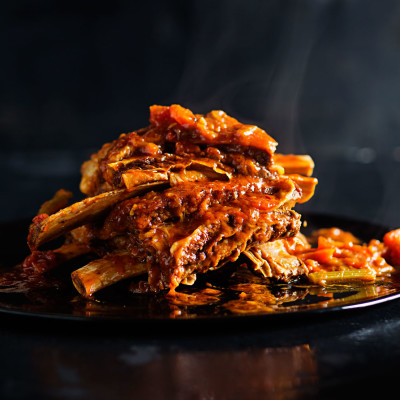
[184, 195]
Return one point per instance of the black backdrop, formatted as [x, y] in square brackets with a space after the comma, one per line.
[321, 76]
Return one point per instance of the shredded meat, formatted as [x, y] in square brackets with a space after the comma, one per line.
[182, 196]
[176, 131]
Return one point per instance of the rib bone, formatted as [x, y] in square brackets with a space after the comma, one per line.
[106, 271]
[51, 227]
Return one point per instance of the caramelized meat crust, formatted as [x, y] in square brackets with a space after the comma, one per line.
[175, 131]
[176, 250]
[195, 226]
[198, 198]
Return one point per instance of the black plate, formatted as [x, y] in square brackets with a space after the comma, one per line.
[60, 300]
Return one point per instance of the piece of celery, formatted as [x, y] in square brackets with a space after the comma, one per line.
[350, 275]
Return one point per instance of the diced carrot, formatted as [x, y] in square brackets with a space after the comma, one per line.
[323, 256]
[327, 243]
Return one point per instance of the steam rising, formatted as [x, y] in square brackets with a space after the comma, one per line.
[320, 76]
[256, 75]
[314, 77]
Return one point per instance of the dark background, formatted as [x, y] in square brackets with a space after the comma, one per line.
[321, 76]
